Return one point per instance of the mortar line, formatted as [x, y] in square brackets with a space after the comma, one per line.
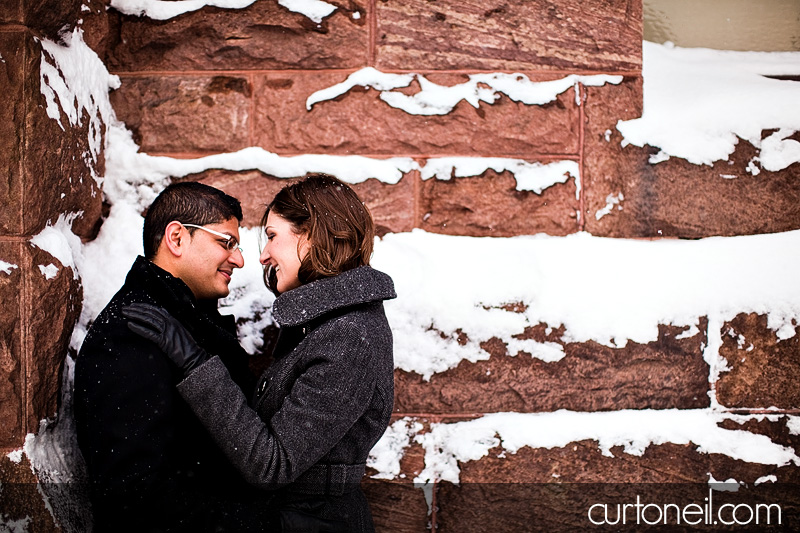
[527, 157]
[582, 97]
[372, 33]
[243, 72]
[24, 315]
[252, 126]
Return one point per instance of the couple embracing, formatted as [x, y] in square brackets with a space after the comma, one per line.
[176, 433]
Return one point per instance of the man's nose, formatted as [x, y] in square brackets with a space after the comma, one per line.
[237, 258]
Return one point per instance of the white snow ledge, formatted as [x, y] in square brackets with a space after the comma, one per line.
[315, 10]
[448, 444]
[434, 99]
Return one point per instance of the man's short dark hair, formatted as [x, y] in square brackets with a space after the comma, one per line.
[188, 202]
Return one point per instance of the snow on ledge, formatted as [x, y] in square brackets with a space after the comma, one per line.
[315, 10]
[447, 444]
[448, 285]
[698, 103]
[434, 99]
[6, 268]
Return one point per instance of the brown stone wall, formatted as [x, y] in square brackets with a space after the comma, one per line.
[44, 176]
[220, 80]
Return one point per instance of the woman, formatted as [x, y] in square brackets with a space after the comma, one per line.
[327, 398]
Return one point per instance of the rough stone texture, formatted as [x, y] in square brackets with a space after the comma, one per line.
[57, 170]
[13, 49]
[11, 12]
[55, 310]
[554, 488]
[360, 123]
[20, 499]
[52, 18]
[489, 205]
[12, 398]
[261, 36]
[765, 371]
[397, 507]
[392, 206]
[511, 35]
[675, 198]
[669, 373]
[186, 113]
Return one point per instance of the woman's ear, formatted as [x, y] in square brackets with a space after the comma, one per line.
[175, 236]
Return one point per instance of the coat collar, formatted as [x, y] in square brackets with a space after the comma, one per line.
[353, 287]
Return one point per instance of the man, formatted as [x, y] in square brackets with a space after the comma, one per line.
[151, 465]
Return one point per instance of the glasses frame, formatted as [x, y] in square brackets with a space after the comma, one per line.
[228, 238]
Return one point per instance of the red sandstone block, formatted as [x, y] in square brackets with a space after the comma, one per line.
[392, 206]
[262, 36]
[56, 177]
[397, 507]
[490, 205]
[553, 489]
[675, 198]
[765, 371]
[186, 113]
[21, 498]
[11, 12]
[13, 49]
[12, 409]
[524, 35]
[55, 308]
[359, 122]
[668, 373]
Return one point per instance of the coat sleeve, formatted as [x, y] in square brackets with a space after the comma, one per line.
[325, 401]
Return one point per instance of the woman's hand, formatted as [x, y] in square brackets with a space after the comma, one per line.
[157, 325]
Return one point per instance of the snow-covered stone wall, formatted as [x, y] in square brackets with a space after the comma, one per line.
[594, 241]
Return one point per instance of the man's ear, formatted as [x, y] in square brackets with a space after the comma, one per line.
[175, 237]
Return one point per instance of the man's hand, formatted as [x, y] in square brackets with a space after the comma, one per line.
[157, 325]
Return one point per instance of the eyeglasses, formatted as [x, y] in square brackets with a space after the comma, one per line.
[231, 244]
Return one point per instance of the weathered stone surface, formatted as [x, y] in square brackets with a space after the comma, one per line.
[264, 35]
[13, 49]
[489, 205]
[53, 312]
[52, 18]
[765, 371]
[675, 198]
[669, 373]
[555, 488]
[186, 113]
[57, 169]
[397, 507]
[392, 206]
[509, 35]
[11, 12]
[360, 123]
[12, 398]
[22, 504]
[95, 26]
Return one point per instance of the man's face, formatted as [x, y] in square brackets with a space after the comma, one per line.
[206, 265]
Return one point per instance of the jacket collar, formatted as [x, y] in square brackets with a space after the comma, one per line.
[353, 287]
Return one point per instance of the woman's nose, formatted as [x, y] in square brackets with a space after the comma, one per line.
[264, 258]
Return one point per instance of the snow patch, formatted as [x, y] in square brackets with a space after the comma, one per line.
[534, 177]
[611, 201]
[59, 241]
[73, 75]
[315, 10]
[698, 103]
[448, 444]
[49, 272]
[434, 99]
[6, 268]
[385, 456]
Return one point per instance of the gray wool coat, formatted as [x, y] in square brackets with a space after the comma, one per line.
[324, 402]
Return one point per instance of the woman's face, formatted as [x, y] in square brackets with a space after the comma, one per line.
[283, 252]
